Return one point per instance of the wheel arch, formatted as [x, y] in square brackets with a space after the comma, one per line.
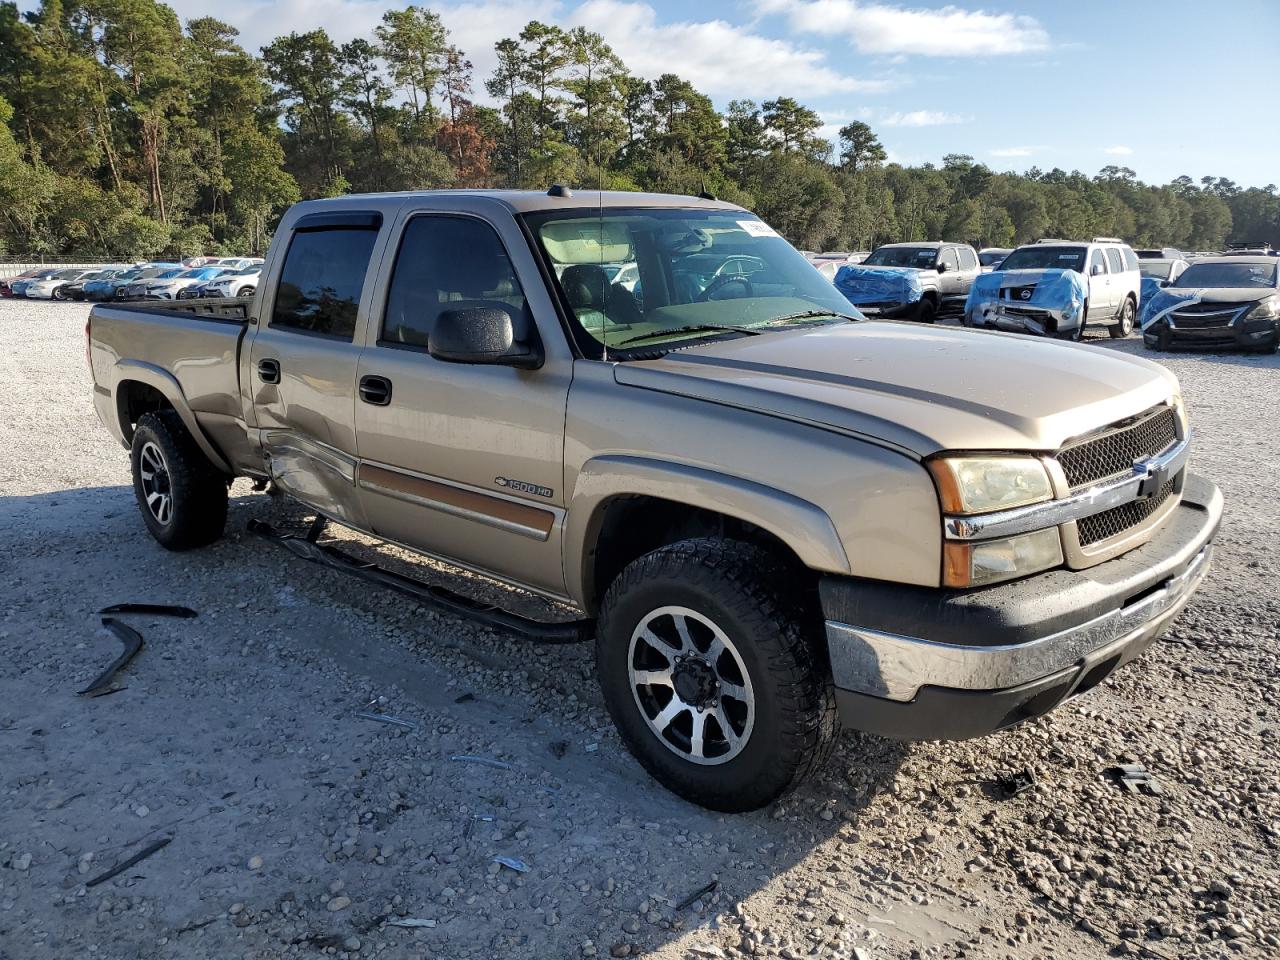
[623, 507]
[143, 387]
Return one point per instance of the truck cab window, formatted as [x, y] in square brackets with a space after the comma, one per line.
[448, 263]
[321, 281]
[1115, 260]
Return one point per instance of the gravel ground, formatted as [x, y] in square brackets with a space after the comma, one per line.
[299, 829]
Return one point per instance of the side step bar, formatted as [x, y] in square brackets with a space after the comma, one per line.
[309, 548]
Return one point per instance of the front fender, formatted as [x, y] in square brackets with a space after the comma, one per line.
[804, 527]
[167, 384]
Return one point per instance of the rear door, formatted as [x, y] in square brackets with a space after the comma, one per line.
[1117, 282]
[302, 365]
[969, 268]
[464, 461]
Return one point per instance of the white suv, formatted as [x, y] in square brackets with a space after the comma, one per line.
[1056, 287]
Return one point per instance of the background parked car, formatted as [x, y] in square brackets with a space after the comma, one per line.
[50, 288]
[75, 289]
[1231, 301]
[136, 287]
[19, 287]
[1157, 274]
[990, 258]
[7, 284]
[1160, 253]
[916, 281]
[104, 288]
[166, 287]
[241, 283]
[1055, 287]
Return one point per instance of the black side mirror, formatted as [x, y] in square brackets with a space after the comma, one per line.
[942, 267]
[1097, 270]
[480, 335]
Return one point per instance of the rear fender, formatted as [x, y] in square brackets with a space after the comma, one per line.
[169, 387]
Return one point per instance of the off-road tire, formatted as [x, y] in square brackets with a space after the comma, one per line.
[198, 490]
[751, 594]
[1124, 320]
[927, 311]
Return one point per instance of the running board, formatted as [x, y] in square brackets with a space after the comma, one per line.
[309, 548]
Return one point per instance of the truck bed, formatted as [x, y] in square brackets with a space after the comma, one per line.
[191, 347]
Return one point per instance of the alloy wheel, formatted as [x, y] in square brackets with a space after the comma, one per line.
[691, 685]
[156, 486]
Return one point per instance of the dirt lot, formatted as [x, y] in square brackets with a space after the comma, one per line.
[300, 829]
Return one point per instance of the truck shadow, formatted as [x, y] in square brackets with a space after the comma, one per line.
[606, 841]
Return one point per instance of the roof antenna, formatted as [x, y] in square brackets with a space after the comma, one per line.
[703, 194]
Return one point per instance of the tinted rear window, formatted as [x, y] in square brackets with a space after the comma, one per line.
[321, 282]
[1115, 260]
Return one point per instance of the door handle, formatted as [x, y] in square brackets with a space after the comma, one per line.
[375, 390]
[269, 371]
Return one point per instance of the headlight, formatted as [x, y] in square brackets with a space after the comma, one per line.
[982, 484]
[990, 561]
[1268, 309]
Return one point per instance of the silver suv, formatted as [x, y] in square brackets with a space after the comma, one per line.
[1057, 287]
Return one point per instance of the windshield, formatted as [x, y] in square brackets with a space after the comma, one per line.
[1228, 275]
[989, 257]
[1155, 268]
[922, 258]
[1045, 257]
[663, 275]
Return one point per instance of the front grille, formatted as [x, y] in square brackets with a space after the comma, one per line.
[1015, 293]
[1113, 522]
[1112, 453]
[1201, 320]
[1209, 307]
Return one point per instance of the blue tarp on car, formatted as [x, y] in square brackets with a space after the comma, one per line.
[1064, 291]
[861, 284]
[1150, 287]
[1162, 302]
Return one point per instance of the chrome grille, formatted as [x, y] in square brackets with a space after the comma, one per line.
[1112, 452]
[1113, 522]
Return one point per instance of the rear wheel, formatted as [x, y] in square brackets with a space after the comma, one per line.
[1124, 322]
[59, 293]
[714, 675]
[183, 498]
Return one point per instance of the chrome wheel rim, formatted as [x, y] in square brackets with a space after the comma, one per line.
[157, 491]
[691, 685]
[1126, 318]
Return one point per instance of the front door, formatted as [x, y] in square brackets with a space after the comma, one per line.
[1099, 285]
[303, 356]
[463, 461]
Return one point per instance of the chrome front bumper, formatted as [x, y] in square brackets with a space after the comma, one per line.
[896, 667]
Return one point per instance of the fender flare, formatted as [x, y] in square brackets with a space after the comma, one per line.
[801, 525]
[169, 387]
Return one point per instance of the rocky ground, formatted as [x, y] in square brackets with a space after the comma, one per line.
[298, 829]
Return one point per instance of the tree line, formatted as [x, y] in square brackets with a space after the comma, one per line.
[125, 133]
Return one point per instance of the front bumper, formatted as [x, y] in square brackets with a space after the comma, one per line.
[888, 310]
[927, 664]
[1239, 334]
[1013, 317]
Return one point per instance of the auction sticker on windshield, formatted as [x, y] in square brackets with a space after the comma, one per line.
[757, 228]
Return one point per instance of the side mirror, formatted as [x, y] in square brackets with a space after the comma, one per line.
[1162, 283]
[942, 267]
[1097, 270]
[480, 335]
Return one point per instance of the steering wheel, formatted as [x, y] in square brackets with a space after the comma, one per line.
[722, 281]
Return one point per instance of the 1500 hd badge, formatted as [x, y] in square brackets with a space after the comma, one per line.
[521, 487]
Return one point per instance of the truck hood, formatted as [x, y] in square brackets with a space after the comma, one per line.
[919, 389]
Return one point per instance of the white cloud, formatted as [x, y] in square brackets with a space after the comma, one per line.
[922, 118]
[880, 28]
[717, 57]
[1118, 151]
[1012, 151]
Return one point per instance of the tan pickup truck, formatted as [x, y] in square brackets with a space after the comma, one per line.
[774, 515]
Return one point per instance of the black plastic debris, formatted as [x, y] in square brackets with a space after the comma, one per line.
[132, 641]
[155, 609]
[1012, 784]
[698, 894]
[1135, 778]
[124, 865]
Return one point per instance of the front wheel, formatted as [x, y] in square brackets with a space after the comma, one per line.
[183, 498]
[927, 312]
[1124, 322]
[713, 674]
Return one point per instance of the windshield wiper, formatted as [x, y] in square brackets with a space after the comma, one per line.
[692, 328]
[810, 314]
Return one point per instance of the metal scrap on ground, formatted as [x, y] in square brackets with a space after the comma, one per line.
[386, 718]
[1135, 778]
[156, 609]
[126, 864]
[487, 761]
[519, 866]
[698, 894]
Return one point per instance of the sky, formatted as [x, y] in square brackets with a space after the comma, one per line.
[1165, 88]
